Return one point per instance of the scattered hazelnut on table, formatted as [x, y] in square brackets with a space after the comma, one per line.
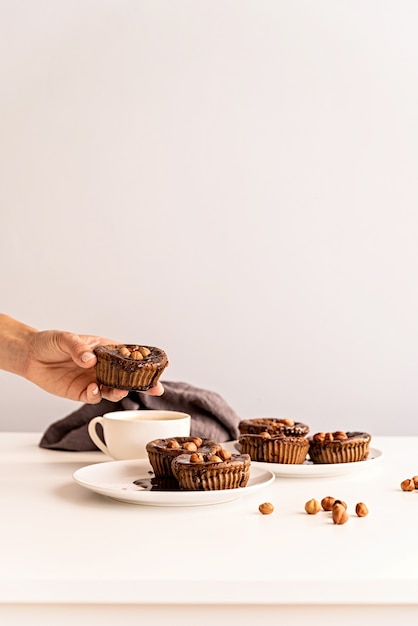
[339, 514]
[408, 485]
[266, 508]
[312, 507]
[361, 509]
[415, 479]
[327, 503]
[344, 504]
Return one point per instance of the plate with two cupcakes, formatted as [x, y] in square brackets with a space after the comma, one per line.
[285, 447]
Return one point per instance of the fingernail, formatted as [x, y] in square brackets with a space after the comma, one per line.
[95, 390]
[87, 356]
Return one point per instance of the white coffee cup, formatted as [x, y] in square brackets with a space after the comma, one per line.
[126, 433]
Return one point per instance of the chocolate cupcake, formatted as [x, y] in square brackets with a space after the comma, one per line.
[161, 452]
[273, 426]
[131, 367]
[339, 447]
[209, 472]
[274, 448]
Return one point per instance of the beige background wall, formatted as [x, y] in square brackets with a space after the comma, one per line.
[232, 180]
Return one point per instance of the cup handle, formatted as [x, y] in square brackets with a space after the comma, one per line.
[94, 436]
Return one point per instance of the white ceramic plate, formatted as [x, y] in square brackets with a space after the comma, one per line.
[309, 469]
[115, 479]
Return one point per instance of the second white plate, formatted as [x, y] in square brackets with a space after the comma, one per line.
[311, 470]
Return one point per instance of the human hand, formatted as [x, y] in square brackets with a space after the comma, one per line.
[63, 363]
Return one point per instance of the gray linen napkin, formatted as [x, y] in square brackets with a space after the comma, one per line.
[211, 416]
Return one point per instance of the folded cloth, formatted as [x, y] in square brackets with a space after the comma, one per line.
[211, 416]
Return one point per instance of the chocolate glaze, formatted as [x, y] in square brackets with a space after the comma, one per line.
[157, 484]
[351, 436]
[272, 425]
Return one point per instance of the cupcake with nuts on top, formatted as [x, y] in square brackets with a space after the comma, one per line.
[132, 367]
[339, 447]
[161, 452]
[209, 472]
[276, 448]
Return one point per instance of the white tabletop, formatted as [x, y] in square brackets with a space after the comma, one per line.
[63, 544]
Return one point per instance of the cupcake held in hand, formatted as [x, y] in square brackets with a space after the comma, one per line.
[132, 367]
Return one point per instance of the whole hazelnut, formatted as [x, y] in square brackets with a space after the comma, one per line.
[124, 351]
[327, 503]
[190, 446]
[197, 441]
[136, 355]
[266, 508]
[344, 504]
[340, 435]
[288, 422]
[225, 455]
[361, 509]
[339, 514]
[215, 459]
[265, 434]
[196, 458]
[408, 485]
[172, 444]
[415, 479]
[312, 507]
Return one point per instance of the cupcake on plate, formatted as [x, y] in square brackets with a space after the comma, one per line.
[209, 472]
[267, 448]
[129, 366]
[339, 447]
[273, 426]
[161, 452]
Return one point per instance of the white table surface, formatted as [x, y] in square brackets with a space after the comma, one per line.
[65, 547]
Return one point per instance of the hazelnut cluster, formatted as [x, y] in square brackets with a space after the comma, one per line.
[190, 446]
[339, 435]
[409, 484]
[137, 353]
[219, 457]
[338, 508]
